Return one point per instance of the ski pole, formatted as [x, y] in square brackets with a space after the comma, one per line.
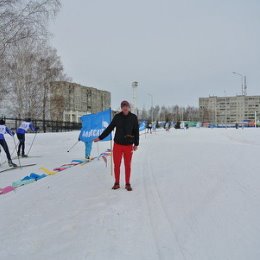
[32, 143]
[17, 152]
[0, 157]
[72, 146]
[4, 162]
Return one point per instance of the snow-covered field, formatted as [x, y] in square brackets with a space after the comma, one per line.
[196, 196]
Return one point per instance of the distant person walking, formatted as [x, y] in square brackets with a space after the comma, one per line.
[21, 131]
[126, 141]
[4, 130]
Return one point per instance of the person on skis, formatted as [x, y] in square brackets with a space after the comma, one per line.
[88, 148]
[21, 131]
[4, 130]
[126, 141]
[149, 127]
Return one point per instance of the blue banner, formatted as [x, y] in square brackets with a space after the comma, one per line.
[142, 126]
[94, 124]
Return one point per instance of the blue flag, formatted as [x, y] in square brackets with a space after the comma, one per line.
[93, 126]
[142, 126]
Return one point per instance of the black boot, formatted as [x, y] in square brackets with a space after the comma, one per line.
[128, 187]
[11, 164]
[116, 186]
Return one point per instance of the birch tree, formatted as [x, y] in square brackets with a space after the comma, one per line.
[22, 20]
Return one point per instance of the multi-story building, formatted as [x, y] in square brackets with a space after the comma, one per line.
[229, 110]
[70, 101]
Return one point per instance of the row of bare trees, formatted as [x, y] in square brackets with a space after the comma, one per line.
[172, 113]
[27, 62]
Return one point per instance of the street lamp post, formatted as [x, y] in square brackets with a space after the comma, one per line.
[134, 86]
[215, 111]
[225, 108]
[243, 82]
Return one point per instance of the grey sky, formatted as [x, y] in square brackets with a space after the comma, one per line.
[177, 50]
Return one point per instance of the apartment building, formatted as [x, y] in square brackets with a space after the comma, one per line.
[69, 101]
[229, 110]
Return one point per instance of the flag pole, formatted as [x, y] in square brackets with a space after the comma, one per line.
[111, 145]
[98, 152]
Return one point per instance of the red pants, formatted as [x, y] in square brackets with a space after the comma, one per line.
[119, 152]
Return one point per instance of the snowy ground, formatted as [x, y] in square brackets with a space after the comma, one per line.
[196, 196]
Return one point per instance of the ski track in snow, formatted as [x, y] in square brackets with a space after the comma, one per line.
[160, 221]
[196, 197]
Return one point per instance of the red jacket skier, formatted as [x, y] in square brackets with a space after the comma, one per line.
[126, 141]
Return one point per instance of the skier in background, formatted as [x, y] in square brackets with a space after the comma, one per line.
[167, 126]
[149, 127]
[126, 141]
[88, 148]
[4, 130]
[21, 131]
[178, 125]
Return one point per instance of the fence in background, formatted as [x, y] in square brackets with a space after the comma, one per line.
[45, 125]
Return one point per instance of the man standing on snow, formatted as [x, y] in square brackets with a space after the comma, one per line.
[4, 130]
[24, 127]
[126, 141]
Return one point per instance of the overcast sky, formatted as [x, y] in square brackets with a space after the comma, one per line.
[176, 50]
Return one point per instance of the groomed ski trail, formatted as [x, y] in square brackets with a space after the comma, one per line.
[195, 197]
[166, 238]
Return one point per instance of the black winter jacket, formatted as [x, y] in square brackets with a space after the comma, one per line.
[127, 129]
